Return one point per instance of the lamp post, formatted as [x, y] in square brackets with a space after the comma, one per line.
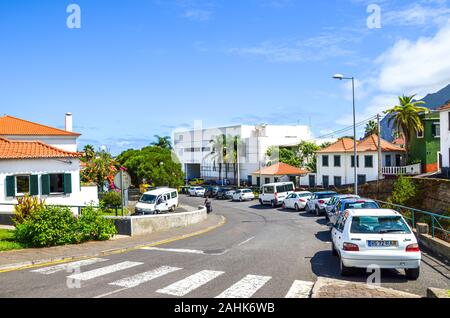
[258, 129]
[355, 161]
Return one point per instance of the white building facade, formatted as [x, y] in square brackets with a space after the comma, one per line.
[200, 158]
[445, 138]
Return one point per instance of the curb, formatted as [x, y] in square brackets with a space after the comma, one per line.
[57, 260]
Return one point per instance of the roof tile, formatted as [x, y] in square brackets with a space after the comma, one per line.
[15, 126]
[281, 169]
[369, 143]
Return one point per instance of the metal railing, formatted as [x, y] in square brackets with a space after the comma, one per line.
[439, 224]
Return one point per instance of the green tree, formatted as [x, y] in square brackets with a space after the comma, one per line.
[306, 151]
[100, 168]
[406, 118]
[284, 155]
[219, 152]
[236, 143]
[162, 142]
[403, 190]
[371, 128]
[89, 153]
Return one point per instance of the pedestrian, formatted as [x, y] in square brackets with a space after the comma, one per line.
[208, 205]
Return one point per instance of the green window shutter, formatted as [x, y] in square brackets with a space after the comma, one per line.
[67, 183]
[34, 185]
[45, 183]
[10, 186]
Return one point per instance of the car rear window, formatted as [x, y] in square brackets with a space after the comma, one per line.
[285, 188]
[325, 196]
[361, 205]
[247, 191]
[269, 190]
[302, 195]
[379, 225]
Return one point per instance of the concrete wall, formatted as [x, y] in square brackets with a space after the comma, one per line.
[445, 138]
[139, 225]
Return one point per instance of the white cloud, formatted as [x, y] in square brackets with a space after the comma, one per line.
[197, 14]
[417, 15]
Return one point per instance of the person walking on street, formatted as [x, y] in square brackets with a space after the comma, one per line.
[208, 205]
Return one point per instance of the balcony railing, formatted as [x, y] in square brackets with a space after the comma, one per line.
[411, 170]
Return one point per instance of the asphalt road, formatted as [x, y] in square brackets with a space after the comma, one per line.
[260, 252]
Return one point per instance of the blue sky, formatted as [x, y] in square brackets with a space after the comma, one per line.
[144, 67]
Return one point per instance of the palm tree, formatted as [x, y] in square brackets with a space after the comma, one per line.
[219, 151]
[89, 152]
[371, 128]
[162, 142]
[406, 117]
[233, 153]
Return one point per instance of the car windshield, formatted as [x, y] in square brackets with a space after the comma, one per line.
[302, 195]
[148, 198]
[379, 225]
[247, 191]
[325, 195]
[361, 205]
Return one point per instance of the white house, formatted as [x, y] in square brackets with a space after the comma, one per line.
[196, 152]
[30, 165]
[445, 138]
[335, 163]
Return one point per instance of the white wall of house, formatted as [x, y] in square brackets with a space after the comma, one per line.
[66, 143]
[80, 196]
[346, 171]
[445, 138]
[194, 147]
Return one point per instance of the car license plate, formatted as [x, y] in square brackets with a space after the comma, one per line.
[382, 243]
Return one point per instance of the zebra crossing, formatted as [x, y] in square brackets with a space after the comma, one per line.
[246, 287]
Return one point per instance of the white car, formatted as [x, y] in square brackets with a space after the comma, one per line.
[197, 191]
[297, 200]
[243, 195]
[157, 201]
[375, 237]
[318, 202]
[275, 193]
[229, 194]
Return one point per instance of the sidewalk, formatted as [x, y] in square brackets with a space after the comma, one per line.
[333, 288]
[16, 259]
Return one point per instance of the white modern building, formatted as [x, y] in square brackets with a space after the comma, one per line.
[198, 149]
[41, 161]
[335, 163]
[445, 138]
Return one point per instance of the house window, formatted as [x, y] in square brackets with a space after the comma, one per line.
[362, 179]
[353, 161]
[325, 161]
[267, 180]
[326, 181]
[448, 121]
[337, 181]
[57, 183]
[312, 181]
[436, 130]
[22, 185]
[337, 161]
[388, 160]
[398, 160]
[275, 179]
[420, 134]
[368, 161]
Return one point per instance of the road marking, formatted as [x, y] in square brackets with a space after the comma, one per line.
[175, 250]
[141, 278]
[185, 286]
[64, 267]
[300, 289]
[246, 287]
[104, 271]
[246, 241]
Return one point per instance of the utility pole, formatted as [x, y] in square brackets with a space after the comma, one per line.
[237, 162]
[380, 159]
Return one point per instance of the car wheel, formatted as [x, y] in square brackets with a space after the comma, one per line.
[283, 206]
[345, 271]
[412, 273]
[240, 199]
[333, 250]
[261, 202]
[273, 204]
[317, 211]
[307, 210]
[297, 208]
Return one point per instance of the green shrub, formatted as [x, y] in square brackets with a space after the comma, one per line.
[112, 199]
[403, 190]
[25, 206]
[47, 226]
[93, 226]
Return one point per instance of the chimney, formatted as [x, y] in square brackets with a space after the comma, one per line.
[69, 122]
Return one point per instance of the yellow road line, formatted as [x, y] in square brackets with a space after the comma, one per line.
[121, 251]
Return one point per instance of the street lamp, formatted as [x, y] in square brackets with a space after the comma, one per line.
[355, 161]
[258, 129]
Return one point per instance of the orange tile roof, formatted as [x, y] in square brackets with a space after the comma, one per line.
[12, 149]
[445, 107]
[369, 143]
[15, 126]
[281, 169]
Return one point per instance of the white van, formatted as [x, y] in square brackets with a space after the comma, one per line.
[157, 201]
[275, 193]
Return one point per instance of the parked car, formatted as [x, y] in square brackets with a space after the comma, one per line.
[275, 193]
[223, 182]
[184, 190]
[381, 237]
[211, 191]
[331, 205]
[352, 203]
[196, 182]
[229, 194]
[297, 200]
[243, 195]
[318, 202]
[197, 191]
[222, 193]
[157, 201]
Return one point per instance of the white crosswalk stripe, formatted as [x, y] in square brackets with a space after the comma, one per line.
[104, 271]
[300, 289]
[141, 278]
[65, 267]
[246, 287]
[185, 286]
